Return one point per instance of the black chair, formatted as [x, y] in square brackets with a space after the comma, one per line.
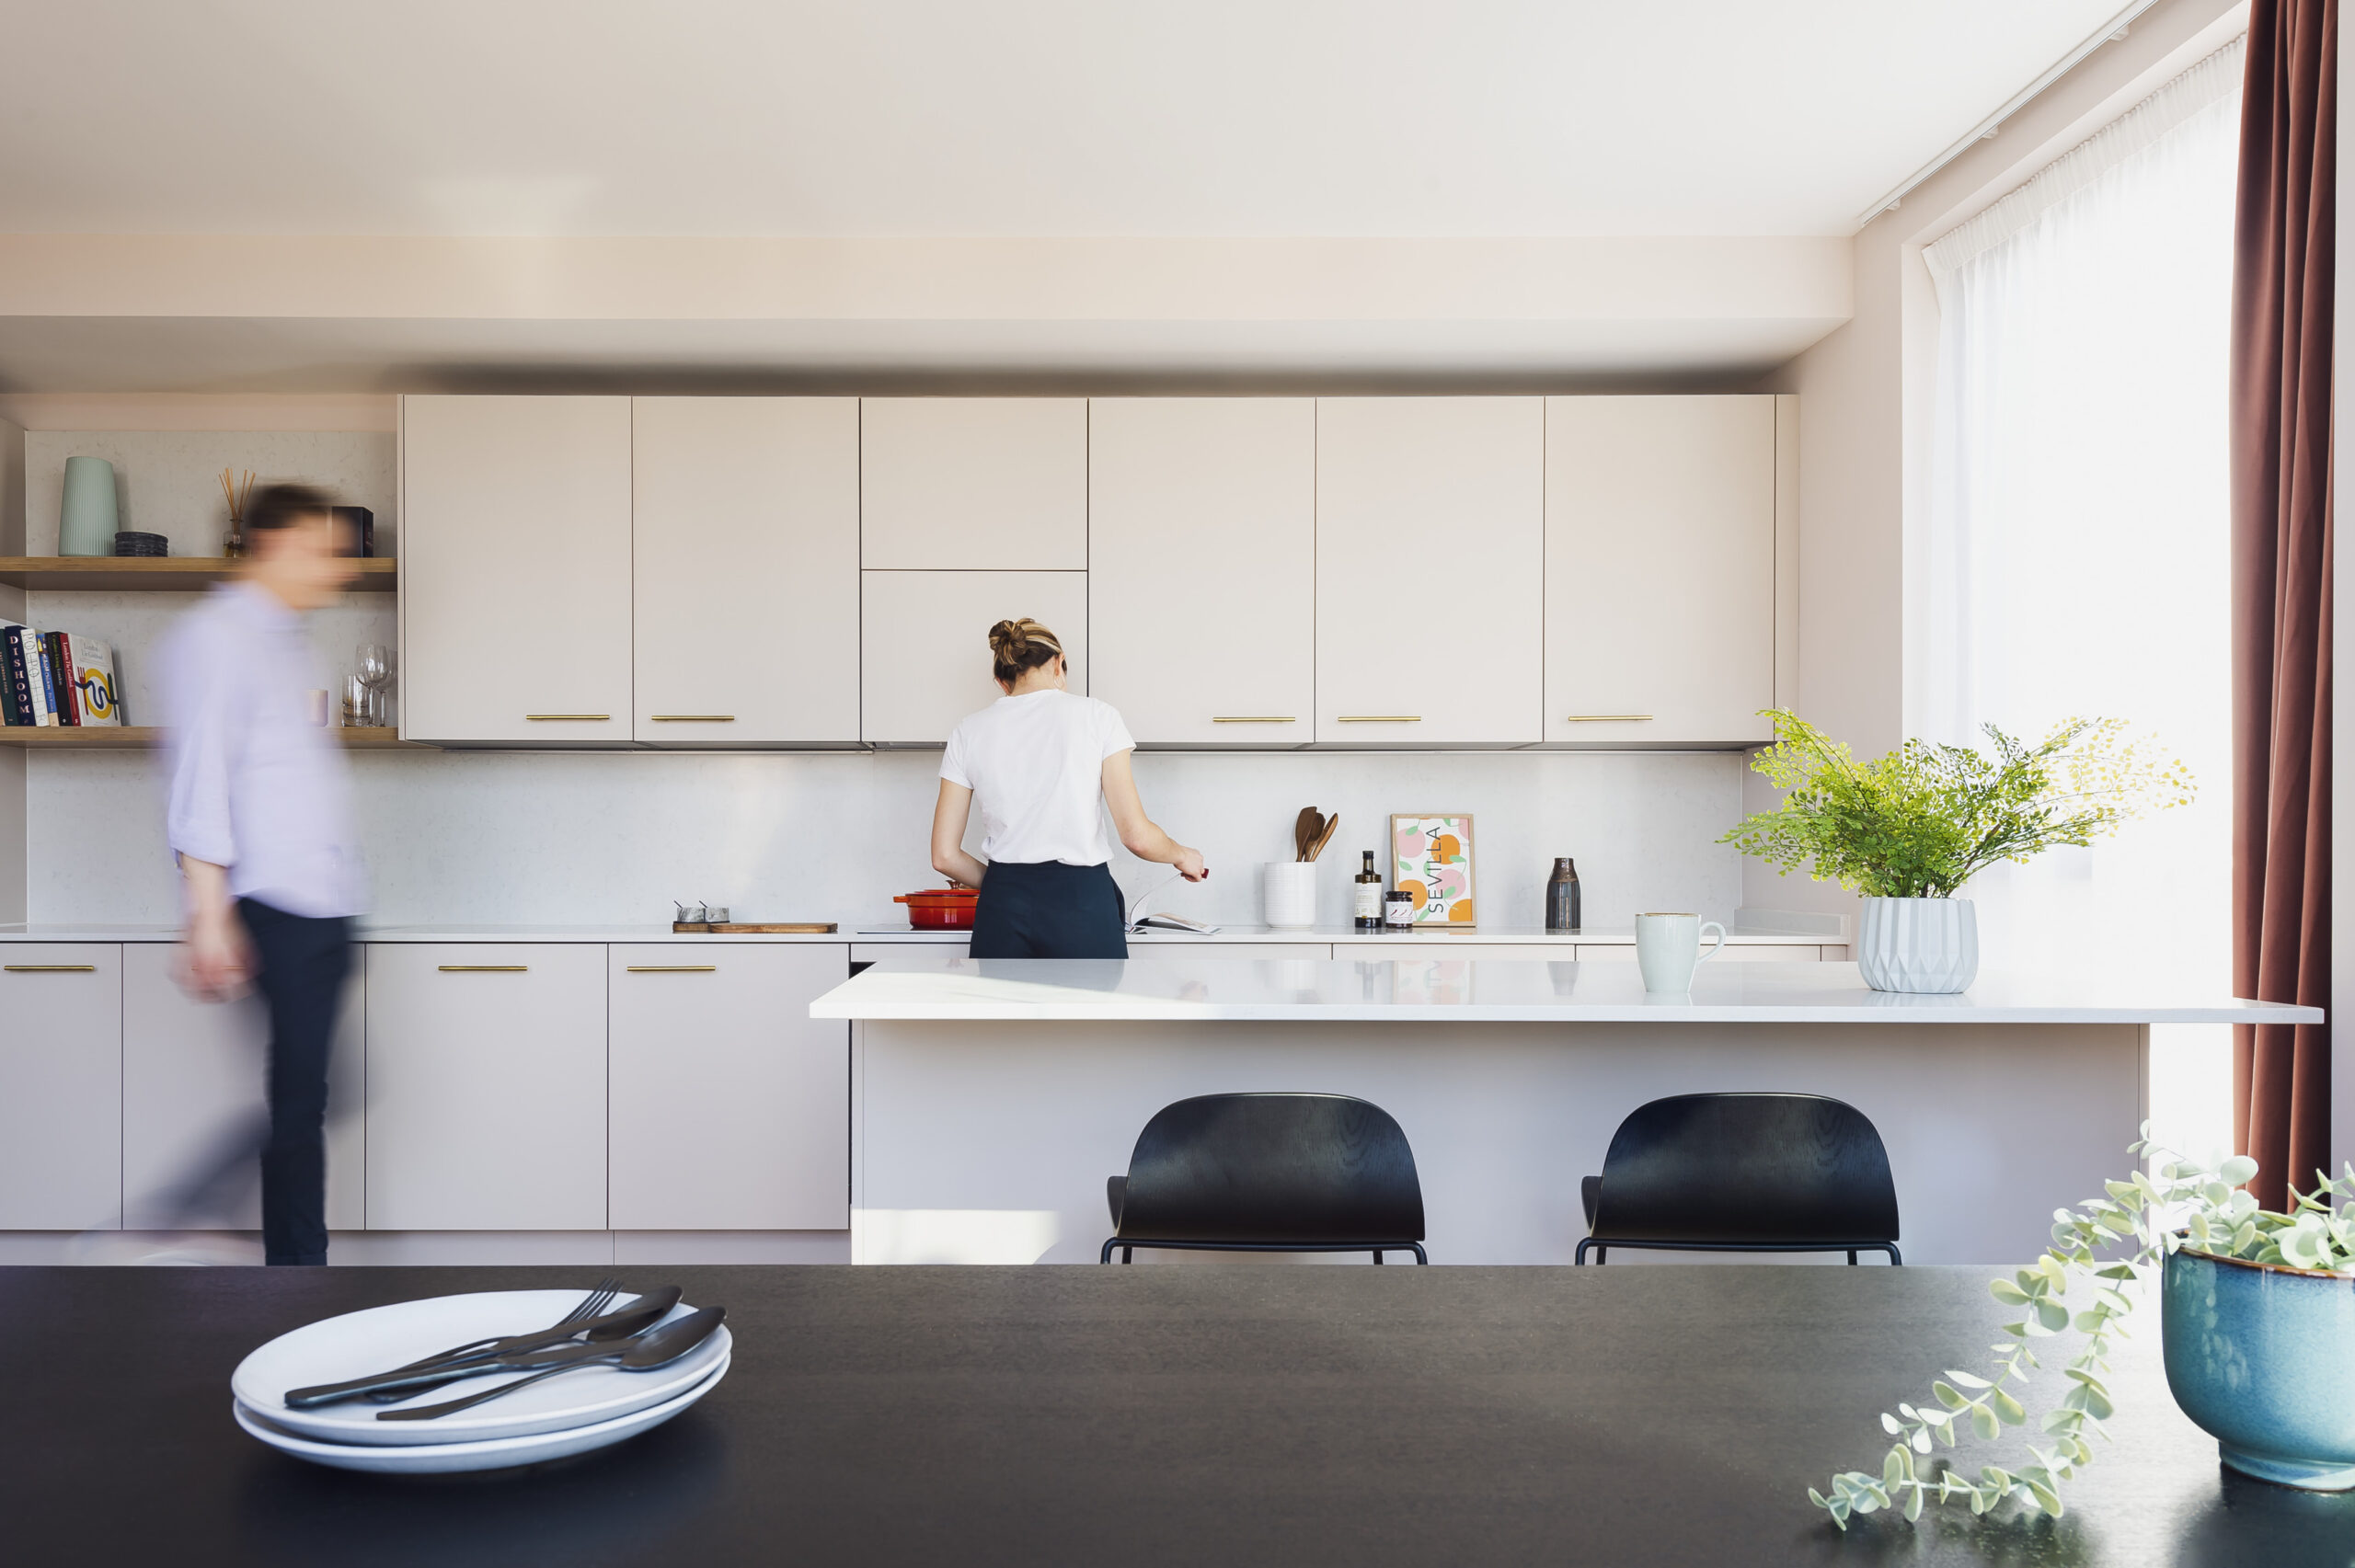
[1269, 1174]
[1743, 1173]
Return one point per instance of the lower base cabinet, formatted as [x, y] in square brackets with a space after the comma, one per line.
[61, 1110]
[194, 1103]
[486, 1086]
[730, 1104]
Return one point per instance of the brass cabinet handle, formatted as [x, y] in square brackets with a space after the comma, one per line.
[485, 968]
[1607, 718]
[51, 968]
[693, 718]
[674, 968]
[1381, 718]
[1259, 718]
[568, 718]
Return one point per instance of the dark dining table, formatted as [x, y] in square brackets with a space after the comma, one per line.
[1172, 1414]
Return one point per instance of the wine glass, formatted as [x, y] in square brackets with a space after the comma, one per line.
[375, 669]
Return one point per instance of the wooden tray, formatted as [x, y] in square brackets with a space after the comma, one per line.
[772, 927]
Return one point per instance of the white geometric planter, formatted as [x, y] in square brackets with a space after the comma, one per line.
[1918, 944]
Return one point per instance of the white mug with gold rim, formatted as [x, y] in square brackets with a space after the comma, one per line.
[1668, 949]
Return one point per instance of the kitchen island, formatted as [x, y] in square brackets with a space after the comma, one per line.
[991, 1099]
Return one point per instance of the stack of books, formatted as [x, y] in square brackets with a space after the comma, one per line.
[56, 678]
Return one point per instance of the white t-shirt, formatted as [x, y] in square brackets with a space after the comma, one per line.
[1035, 764]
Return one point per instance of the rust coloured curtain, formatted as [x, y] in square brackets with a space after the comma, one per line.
[2282, 599]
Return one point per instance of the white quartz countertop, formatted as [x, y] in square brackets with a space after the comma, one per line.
[1485, 991]
[1535, 938]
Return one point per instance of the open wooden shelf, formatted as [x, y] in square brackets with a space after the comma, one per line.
[155, 573]
[131, 738]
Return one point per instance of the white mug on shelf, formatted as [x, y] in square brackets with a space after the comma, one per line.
[1290, 888]
[1668, 949]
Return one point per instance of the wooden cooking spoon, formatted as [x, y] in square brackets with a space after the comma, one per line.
[1305, 828]
[1318, 847]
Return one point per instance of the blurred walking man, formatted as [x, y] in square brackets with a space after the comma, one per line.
[259, 819]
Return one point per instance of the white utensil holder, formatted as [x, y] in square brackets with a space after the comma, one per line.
[1289, 888]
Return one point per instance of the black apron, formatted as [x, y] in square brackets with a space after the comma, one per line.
[1048, 910]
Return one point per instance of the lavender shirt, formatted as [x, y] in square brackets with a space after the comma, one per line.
[255, 785]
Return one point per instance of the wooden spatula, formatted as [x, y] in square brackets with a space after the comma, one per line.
[1305, 829]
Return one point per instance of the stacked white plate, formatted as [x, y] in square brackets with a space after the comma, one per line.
[586, 1408]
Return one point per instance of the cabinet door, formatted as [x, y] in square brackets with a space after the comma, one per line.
[486, 1086]
[745, 544]
[195, 1103]
[924, 651]
[1659, 569]
[515, 569]
[1430, 570]
[730, 1104]
[61, 1113]
[974, 484]
[1201, 566]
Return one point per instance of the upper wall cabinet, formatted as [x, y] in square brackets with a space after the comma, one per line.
[1429, 567]
[1201, 548]
[1659, 569]
[974, 484]
[515, 569]
[925, 653]
[746, 540]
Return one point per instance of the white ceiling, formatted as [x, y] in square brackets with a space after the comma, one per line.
[1458, 118]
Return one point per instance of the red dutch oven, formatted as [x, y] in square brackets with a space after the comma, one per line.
[941, 908]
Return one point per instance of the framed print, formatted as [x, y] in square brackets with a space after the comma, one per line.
[1430, 860]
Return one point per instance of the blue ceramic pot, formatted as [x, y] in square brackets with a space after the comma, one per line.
[2263, 1359]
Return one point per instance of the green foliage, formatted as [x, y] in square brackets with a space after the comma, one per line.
[2139, 1220]
[1921, 821]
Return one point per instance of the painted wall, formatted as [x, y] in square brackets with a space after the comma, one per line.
[566, 838]
[1865, 404]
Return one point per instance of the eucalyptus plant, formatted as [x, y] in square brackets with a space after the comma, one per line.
[2139, 1221]
[1922, 821]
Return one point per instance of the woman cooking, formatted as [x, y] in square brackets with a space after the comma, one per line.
[1042, 764]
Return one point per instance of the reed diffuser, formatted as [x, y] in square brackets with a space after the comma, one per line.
[236, 492]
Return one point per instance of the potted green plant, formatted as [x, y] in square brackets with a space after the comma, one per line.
[1908, 830]
[2256, 1309]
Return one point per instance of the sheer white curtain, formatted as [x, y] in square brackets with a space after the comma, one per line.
[2077, 545]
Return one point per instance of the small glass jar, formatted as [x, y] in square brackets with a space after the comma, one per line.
[1398, 909]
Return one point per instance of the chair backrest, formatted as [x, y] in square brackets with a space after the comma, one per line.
[1272, 1168]
[1747, 1168]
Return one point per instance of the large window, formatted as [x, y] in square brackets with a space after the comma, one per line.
[2075, 559]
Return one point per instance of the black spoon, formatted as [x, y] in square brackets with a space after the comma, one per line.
[644, 1354]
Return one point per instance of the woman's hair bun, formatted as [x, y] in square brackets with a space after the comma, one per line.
[1017, 646]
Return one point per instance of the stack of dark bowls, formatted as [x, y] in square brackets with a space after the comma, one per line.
[141, 544]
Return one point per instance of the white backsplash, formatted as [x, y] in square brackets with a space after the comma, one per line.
[572, 838]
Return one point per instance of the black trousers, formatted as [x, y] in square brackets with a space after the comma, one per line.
[1047, 910]
[302, 962]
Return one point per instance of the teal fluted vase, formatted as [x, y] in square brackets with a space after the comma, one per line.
[86, 521]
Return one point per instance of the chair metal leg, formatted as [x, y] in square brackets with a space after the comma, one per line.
[1128, 1255]
[1421, 1257]
[1852, 1257]
[1377, 1257]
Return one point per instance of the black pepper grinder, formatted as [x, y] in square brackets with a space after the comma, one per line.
[1562, 896]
